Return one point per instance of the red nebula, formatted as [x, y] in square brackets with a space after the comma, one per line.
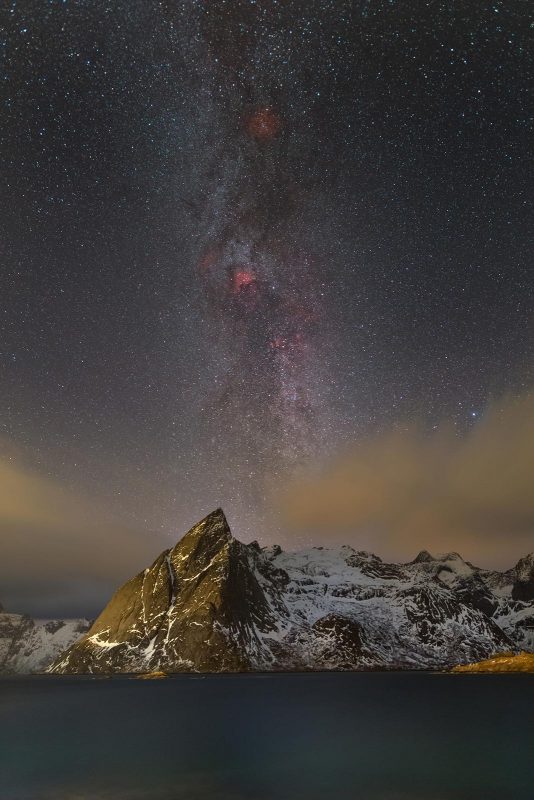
[242, 280]
[264, 124]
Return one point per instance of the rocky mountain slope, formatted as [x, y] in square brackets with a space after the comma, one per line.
[212, 603]
[28, 645]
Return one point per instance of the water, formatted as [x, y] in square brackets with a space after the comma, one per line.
[277, 737]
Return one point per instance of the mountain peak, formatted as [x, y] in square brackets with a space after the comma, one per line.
[198, 607]
[526, 561]
[208, 535]
[425, 557]
[452, 556]
[203, 545]
[200, 546]
[422, 557]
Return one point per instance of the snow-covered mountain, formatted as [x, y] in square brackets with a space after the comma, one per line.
[29, 645]
[212, 603]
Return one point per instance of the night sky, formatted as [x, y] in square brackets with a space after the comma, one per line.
[240, 237]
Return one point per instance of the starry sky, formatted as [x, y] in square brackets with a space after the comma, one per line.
[242, 237]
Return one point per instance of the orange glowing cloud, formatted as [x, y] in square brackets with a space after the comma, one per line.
[402, 491]
[61, 552]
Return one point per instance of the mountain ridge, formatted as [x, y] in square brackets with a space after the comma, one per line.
[30, 645]
[214, 604]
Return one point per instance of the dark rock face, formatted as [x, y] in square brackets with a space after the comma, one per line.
[474, 592]
[14, 628]
[342, 640]
[440, 619]
[430, 603]
[213, 604]
[422, 557]
[526, 622]
[374, 567]
[523, 590]
[524, 579]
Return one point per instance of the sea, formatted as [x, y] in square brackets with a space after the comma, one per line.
[315, 736]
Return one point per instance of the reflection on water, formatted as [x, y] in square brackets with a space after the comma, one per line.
[300, 737]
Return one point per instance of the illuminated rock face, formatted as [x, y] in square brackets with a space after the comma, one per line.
[198, 607]
[213, 604]
[504, 662]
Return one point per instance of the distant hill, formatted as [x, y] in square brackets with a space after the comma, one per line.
[503, 662]
[29, 645]
[213, 604]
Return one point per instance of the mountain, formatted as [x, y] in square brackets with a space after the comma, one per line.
[198, 607]
[29, 645]
[213, 604]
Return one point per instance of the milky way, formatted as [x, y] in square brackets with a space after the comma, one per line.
[263, 294]
[262, 286]
[240, 235]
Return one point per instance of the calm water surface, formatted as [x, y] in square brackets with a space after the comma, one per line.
[277, 737]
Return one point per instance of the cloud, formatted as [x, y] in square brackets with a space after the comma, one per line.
[61, 554]
[402, 491]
